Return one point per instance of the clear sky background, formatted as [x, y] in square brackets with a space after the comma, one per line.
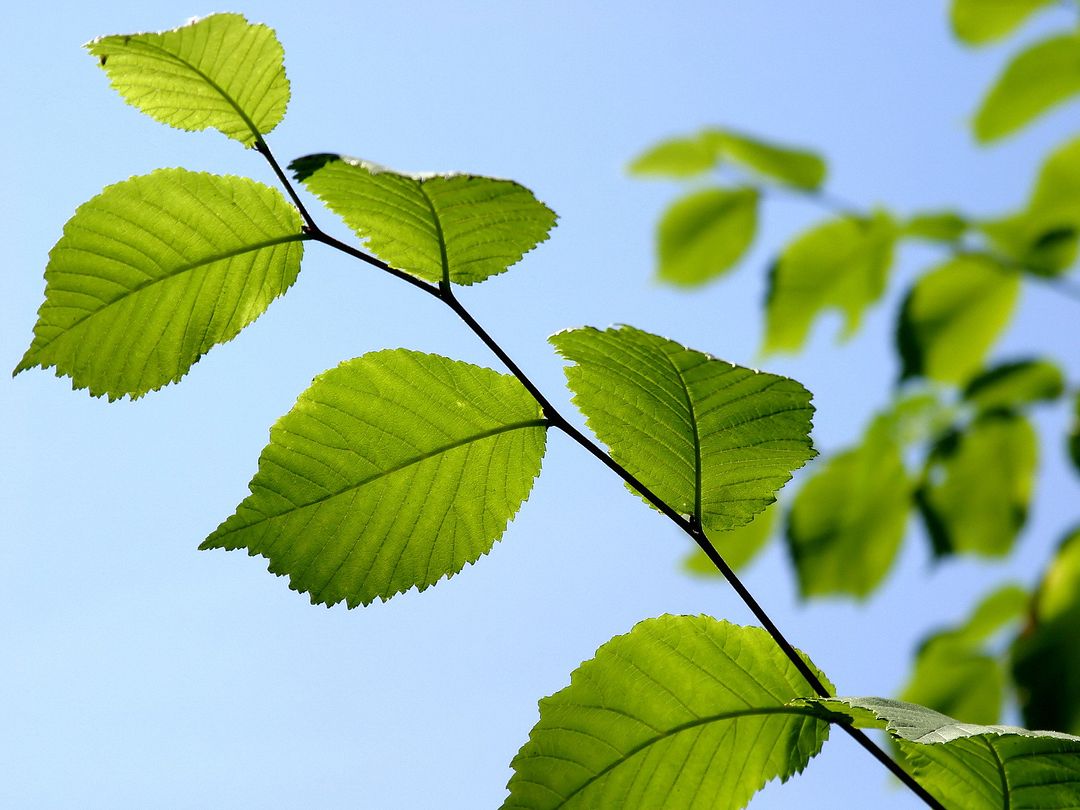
[139, 672]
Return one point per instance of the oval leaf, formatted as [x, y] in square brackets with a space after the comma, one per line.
[392, 471]
[219, 72]
[455, 227]
[847, 520]
[842, 265]
[710, 438]
[977, 22]
[677, 158]
[953, 315]
[792, 166]
[681, 712]
[975, 767]
[1046, 657]
[157, 269]
[1015, 384]
[1037, 79]
[978, 486]
[705, 233]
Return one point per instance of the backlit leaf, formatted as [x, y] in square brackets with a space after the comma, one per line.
[712, 439]
[955, 673]
[979, 484]
[678, 158]
[975, 767]
[154, 271]
[953, 315]
[1046, 656]
[790, 165]
[681, 712]
[1074, 435]
[847, 520]
[738, 546]
[841, 265]
[977, 22]
[1015, 384]
[392, 471]
[1037, 79]
[705, 233]
[1043, 237]
[459, 227]
[219, 72]
[936, 226]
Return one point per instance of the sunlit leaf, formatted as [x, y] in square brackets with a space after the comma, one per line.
[955, 673]
[678, 158]
[975, 767]
[392, 471]
[790, 165]
[458, 227]
[847, 520]
[953, 315]
[1014, 384]
[705, 233]
[1037, 79]
[977, 22]
[681, 712]
[1074, 435]
[712, 439]
[1046, 656]
[936, 226]
[738, 546]
[154, 271]
[1043, 237]
[840, 265]
[979, 484]
[219, 72]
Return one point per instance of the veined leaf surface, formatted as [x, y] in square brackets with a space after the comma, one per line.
[392, 471]
[681, 712]
[976, 767]
[219, 72]
[737, 546]
[705, 233]
[1037, 79]
[154, 271]
[712, 439]
[952, 316]
[842, 265]
[458, 227]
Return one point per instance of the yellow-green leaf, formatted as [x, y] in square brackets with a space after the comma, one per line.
[705, 233]
[978, 22]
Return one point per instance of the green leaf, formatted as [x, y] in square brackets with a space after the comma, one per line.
[154, 271]
[1043, 237]
[953, 315]
[955, 674]
[1037, 79]
[678, 158]
[978, 486]
[976, 767]
[705, 233]
[455, 227]
[1015, 384]
[936, 226]
[392, 470]
[681, 712]
[977, 22]
[1074, 435]
[790, 165]
[846, 522]
[1046, 657]
[840, 265]
[738, 546]
[219, 72]
[710, 438]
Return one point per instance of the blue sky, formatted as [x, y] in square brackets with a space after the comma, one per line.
[141, 672]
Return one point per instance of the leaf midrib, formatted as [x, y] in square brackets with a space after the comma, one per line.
[700, 721]
[169, 55]
[173, 273]
[487, 434]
